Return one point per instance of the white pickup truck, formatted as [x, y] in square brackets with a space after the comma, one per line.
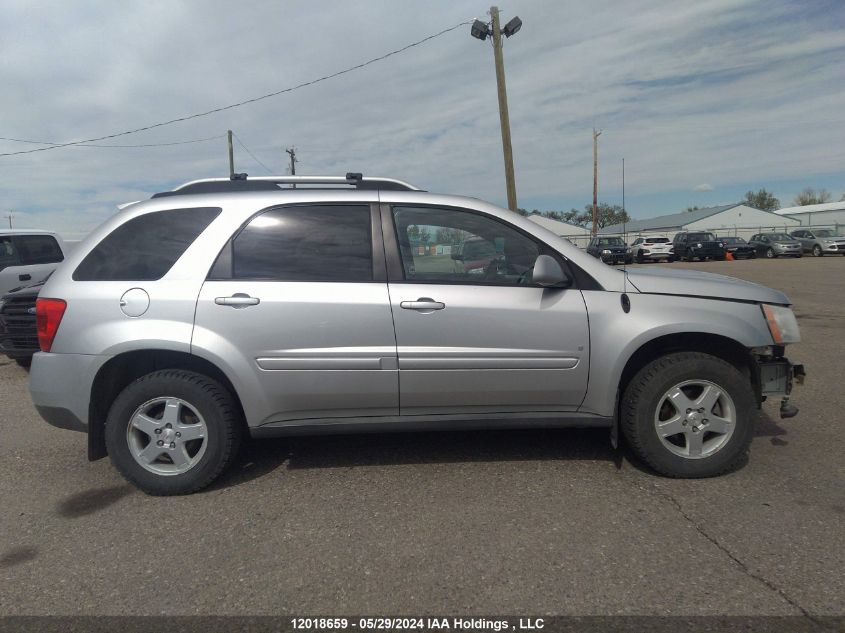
[28, 256]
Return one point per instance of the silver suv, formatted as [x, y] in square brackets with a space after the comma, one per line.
[248, 307]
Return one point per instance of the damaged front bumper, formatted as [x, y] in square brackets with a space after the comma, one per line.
[776, 376]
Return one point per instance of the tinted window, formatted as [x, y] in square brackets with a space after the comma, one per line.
[8, 252]
[38, 249]
[702, 237]
[451, 245]
[145, 247]
[657, 240]
[307, 243]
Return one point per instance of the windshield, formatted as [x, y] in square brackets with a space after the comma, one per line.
[732, 240]
[703, 237]
[780, 237]
[611, 241]
[827, 233]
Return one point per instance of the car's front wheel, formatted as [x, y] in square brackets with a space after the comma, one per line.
[173, 432]
[689, 414]
[770, 253]
[817, 251]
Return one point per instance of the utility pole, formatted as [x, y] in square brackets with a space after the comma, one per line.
[231, 157]
[504, 119]
[10, 218]
[291, 151]
[596, 135]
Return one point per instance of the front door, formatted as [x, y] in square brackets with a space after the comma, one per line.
[298, 311]
[480, 337]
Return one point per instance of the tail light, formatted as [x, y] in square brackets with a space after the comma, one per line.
[48, 316]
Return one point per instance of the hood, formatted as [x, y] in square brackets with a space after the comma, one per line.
[699, 284]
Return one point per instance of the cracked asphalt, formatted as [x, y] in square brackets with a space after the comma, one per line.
[533, 522]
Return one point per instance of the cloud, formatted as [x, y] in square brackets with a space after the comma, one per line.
[731, 91]
[703, 187]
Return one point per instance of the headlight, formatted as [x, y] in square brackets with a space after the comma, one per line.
[782, 324]
[605, 252]
[2, 303]
[721, 245]
[698, 245]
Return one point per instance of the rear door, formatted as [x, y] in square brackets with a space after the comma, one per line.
[297, 308]
[480, 341]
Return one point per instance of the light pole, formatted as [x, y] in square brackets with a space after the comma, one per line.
[481, 30]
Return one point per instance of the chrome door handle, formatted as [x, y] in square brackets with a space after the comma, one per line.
[422, 304]
[237, 300]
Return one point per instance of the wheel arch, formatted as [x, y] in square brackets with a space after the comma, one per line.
[121, 370]
[724, 347]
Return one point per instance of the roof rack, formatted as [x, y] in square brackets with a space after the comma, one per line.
[271, 183]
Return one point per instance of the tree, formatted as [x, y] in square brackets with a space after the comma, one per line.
[763, 200]
[450, 236]
[424, 236]
[607, 215]
[695, 208]
[809, 196]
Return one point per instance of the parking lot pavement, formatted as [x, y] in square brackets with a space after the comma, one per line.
[498, 522]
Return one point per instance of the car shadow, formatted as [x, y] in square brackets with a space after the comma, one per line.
[261, 457]
[91, 501]
[768, 427]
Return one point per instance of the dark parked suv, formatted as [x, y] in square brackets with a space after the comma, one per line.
[702, 245]
[611, 250]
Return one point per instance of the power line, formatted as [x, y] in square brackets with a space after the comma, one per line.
[247, 101]
[196, 140]
[241, 143]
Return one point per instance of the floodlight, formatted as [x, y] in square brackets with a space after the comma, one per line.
[512, 27]
[480, 30]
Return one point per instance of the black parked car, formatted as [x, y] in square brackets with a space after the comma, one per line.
[738, 247]
[700, 244]
[18, 336]
[611, 250]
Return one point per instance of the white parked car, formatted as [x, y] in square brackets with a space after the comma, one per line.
[652, 249]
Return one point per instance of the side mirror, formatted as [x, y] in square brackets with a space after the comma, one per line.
[547, 272]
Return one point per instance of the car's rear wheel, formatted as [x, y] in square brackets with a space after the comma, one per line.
[689, 414]
[817, 251]
[173, 432]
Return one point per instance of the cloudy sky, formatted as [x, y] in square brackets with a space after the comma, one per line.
[704, 99]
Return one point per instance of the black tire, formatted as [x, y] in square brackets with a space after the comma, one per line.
[214, 403]
[24, 362]
[640, 258]
[770, 254]
[817, 251]
[642, 397]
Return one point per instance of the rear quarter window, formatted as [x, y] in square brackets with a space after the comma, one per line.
[145, 247]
